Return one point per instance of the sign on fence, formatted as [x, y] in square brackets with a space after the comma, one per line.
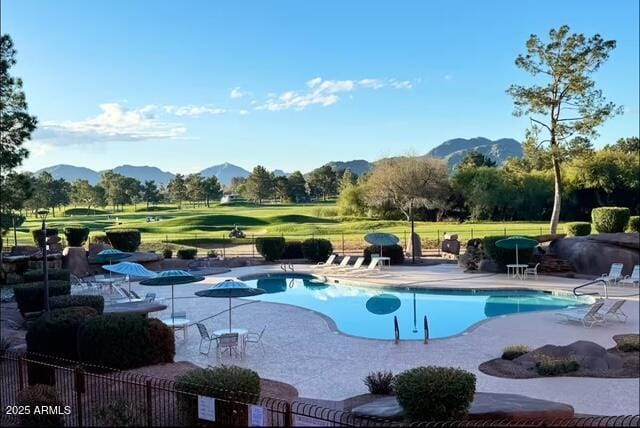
[206, 408]
[308, 421]
[257, 416]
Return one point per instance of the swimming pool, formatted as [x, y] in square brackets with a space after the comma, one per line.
[368, 312]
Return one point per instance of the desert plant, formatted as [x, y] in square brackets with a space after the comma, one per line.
[630, 343]
[577, 228]
[68, 301]
[125, 341]
[514, 351]
[40, 396]
[127, 240]
[30, 296]
[292, 250]
[394, 252]
[316, 249]
[634, 224]
[271, 248]
[187, 253]
[380, 382]
[503, 256]
[610, 219]
[35, 275]
[167, 253]
[36, 234]
[76, 235]
[119, 413]
[548, 366]
[435, 393]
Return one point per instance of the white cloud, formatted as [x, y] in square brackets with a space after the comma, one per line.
[116, 122]
[237, 92]
[193, 110]
[243, 112]
[401, 84]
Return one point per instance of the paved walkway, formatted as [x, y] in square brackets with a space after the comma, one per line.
[302, 349]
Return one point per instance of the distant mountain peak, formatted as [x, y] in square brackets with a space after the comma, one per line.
[225, 172]
[455, 149]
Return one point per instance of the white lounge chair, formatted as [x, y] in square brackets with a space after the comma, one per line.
[614, 275]
[586, 318]
[633, 279]
[329, 262]
[371, 267]
[357, 265]
[614, 313]
[343, 263]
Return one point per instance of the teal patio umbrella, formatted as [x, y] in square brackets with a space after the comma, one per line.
[172, 277]
[381, 240]
[229, 289]
[107, 256]
[131, 270]
[517, 243]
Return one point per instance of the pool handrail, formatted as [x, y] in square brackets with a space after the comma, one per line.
[396, 329]
[591, 283]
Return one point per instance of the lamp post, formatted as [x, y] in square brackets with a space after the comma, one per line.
[413, 246]
[45, 274]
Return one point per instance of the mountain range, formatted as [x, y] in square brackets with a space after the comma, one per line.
[451, 150]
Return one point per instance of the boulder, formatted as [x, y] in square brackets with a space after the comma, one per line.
[75, 260]
[589, 355]
[594, 254]
[416, 243]
[451, 246]
[489, 266]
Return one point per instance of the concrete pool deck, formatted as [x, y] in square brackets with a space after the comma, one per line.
[303, 350]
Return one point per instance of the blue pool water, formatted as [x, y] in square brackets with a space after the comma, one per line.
[368, 312]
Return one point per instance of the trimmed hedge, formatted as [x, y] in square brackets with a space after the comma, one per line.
[634, 224]
[76, 235]
[30, 296]
[36, 234]
[610, 219]
[292, 250]
[167, 253]
[394, 252]
[39, 396]
[316, 249]
[35, 275]
[435, 393]
[271, 248]
[125, 341]
[188, 253]
[630, 343]
[68, 301]
[55, 332]
[98, 238]
[577, 228]
[503, 256]
[127, 240]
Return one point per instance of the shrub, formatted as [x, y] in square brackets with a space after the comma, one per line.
[610, 219]
[394, 252]
[120, 413]
[634, 224]
[435, 393]
[380, 382]
[292, 250]
[125, 341]
[554, 367]
[37, 235]
[514, 351]
[99, 238]
[577, 228]
[629, 344]
[316, 249]
[127, 240]
[76, 235]
[54, 333]
[30, 296]
[68, 301]
[271, 248]
[37, 396]
[167, 253]
[503, 256]
[187, 253]
[53, 275]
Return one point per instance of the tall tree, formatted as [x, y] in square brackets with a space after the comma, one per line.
[323, 182]
[212, 189]
[297, 186]
[259, 184]
[195, 188]
[150, 192]
[565, 103]
[177, 189]
[347, 178]
[281, 189]
[475, 159]
[630, 146]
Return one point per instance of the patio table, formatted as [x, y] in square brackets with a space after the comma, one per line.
[515, 270]
[242, 336]
[383, 261]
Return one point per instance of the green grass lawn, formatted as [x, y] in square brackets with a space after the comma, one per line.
[192, 226]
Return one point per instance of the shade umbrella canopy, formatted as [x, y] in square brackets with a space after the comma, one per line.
[516, 243]
[109, 255]
[131, 269]
[172, 277]
[381, 240]
[230, 289]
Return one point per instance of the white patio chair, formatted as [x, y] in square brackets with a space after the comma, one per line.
[633, 279]
[205, 338]
[532, 271]
[614, 275]
[228, 342]
[256, 338]
[586, 318]
[329, 262]
[343, 263]
[150, 297]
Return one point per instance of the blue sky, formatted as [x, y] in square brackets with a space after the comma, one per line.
[288, 84]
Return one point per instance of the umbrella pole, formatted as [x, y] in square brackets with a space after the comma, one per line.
[517, 264]
[173, 320]
[229, 314]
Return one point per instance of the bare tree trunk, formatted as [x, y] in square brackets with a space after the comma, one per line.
[557, 194]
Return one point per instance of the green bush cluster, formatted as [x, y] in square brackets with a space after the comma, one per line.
[435, 393]
[577, 228]
[68, 301]
[125, 341]
[167, 253]
[120, 413]
[629, 344]
[380, 382]
[187, 253]
[548, 366]
[30, 296]
[36, 234]
[55, 332]
[610, 219]
[292, 250]
[99, 238]
[53, 275]
[634, 224]
[514, 351]
[394, 252]
[127, 240]
[316, 249]
[38, 396]
[503, 256]
[76, 235]
[271, 248]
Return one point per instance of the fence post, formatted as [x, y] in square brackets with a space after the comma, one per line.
[149, 403]
[505, 231]
[20, 372]
[79, 386]
[405, 240]
[287, 415]
[472, 233]
[253, 246]
[437, 241]
[342, 244]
